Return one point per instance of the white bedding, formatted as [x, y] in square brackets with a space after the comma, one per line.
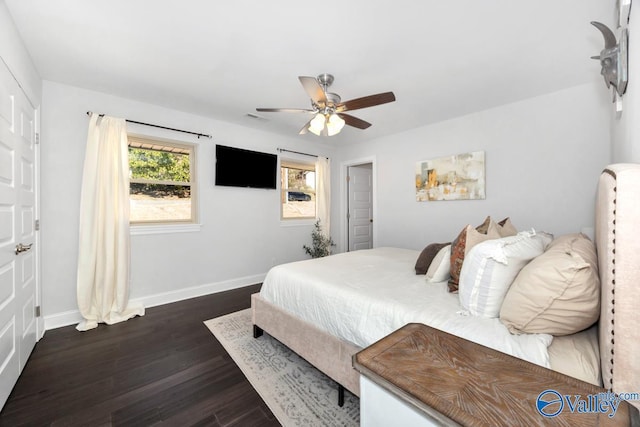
[363, 296]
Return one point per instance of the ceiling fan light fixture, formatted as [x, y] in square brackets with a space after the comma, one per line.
[316, 126]
[334, 124]
[328, 109]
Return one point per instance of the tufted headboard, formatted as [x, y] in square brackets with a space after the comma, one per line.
[617, 237]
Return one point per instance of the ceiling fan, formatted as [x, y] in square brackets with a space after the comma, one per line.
[329, 112]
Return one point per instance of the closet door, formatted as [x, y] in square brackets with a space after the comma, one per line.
[18, 255]
[360, 204]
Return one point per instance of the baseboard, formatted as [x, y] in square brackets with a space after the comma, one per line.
[73, 317]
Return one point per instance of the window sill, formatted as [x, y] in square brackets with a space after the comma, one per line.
[143, 229]
[297, 222]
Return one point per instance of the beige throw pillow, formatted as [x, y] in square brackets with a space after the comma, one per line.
[474, 237]
[506, 228]
[440, 266]
[558, 292]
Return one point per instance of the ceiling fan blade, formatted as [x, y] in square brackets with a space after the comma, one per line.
[354, 121]
[366, 101]
[305, 129]
[284, 110]
[314, 90]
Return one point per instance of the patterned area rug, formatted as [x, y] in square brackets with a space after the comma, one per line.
[296, 392]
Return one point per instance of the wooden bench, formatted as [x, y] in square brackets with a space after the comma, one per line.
[446, 380]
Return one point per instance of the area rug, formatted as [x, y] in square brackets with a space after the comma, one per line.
[296, 392]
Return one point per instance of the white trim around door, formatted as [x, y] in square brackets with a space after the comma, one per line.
[344, 206]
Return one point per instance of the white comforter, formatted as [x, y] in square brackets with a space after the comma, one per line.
[363, 296]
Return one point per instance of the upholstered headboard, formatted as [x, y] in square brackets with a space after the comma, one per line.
[618, 245]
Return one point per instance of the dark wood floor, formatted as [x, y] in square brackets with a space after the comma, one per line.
[163, 368]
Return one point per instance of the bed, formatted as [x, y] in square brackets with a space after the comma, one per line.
[328, 309]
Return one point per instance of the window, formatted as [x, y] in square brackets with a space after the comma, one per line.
[298, 187]
[162, 183]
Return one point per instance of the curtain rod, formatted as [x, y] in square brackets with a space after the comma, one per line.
[298, 152]
[161, 127]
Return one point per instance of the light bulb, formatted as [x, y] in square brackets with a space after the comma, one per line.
[317, 124]
[335, 124]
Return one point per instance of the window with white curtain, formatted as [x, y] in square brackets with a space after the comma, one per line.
[162, 181]
[298, 190]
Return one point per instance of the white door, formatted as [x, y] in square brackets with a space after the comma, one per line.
[360, 214]
[18, 265]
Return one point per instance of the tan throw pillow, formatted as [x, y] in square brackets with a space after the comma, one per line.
[482, 228]
[558, 292]
[474, 237]
[426, 256]
[506, 228]
[459, 247]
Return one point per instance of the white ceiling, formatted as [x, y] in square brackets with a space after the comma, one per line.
[222, 59]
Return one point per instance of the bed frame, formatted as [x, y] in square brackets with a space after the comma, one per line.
[617, 236]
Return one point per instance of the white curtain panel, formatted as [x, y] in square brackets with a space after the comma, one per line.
[323, 193]
[104, 252]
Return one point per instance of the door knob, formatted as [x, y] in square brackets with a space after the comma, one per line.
[22, 248]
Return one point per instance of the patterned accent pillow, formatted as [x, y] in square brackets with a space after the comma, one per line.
[459, 249]
[457, 256]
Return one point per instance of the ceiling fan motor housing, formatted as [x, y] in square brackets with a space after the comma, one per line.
[333, 99]
[325, 80]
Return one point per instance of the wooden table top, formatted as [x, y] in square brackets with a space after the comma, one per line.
[474, 385]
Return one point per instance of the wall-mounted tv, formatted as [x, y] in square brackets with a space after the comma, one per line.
[236, 167]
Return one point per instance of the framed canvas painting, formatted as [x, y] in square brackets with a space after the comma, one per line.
[456, 177]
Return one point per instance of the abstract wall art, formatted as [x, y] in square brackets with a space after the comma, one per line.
[456, 177]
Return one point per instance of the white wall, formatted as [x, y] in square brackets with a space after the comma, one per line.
[241, 235]
[15, 55]
[543, 159]
[625, 131]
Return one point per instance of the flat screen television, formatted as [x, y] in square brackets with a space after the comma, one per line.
[236, 167]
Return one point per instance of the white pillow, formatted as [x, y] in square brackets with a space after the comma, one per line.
[491, 266]
[440, 267]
